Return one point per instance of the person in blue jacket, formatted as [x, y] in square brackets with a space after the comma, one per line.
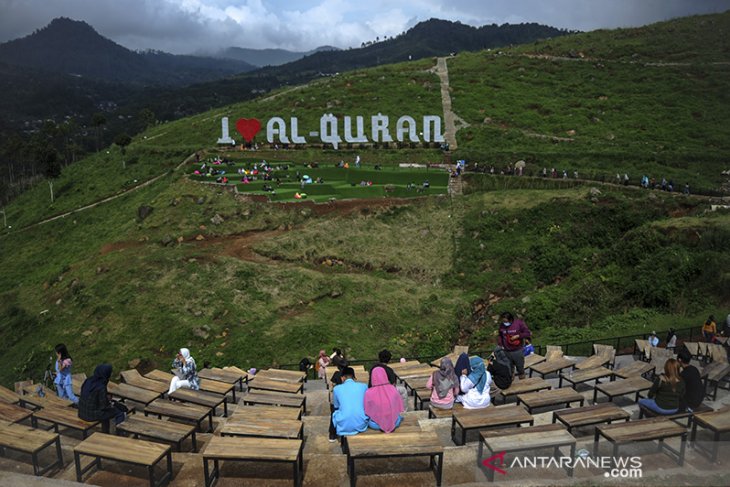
[63, 383]
[348, 399]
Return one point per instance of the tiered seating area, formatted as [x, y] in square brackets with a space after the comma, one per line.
[198, 438]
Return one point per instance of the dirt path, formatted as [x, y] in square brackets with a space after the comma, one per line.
[450, 118]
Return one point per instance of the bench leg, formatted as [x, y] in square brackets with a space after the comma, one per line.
[206, 473]
[715, 446]
[351, 470]
[439, 469]
[210, 422]
[682, 448]
[297, 479]
[77, 460]
[572, 455]
[595, 442]
[595, 395]
[453, 428]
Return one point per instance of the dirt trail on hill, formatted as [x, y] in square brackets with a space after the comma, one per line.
[450, 118]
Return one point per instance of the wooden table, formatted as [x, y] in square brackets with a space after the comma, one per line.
[160, 376]
[417, 382]
[266, 412]
[489, 417]
[132, 393]
[550, 366]
[635, 368]
[265, 428]
[221, 375]
[28, 440]
[7, 396]
[178, 410]
[158, 429]
[715, 373]
[585, 375]
[265, 384]
[590, 415]
[276, 399]
[13, 413]
[422, 370]
[395, 445]
[126, 450]
[643, 430]
[632, 385]
[522, 386]
[242, 449]
[716, 421]
[282, 375]
[438, 413]
[593, 361]
[133, 378]
[527, 439]
[421, 395]
[49, 399]
[553, 397]
[201, 398]
[532, 360]
[63, 416]
[452, 356]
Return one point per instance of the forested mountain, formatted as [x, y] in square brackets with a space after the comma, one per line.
[268, 57]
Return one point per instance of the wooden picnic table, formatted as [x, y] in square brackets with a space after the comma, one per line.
[49, 398]
[527, 439]
[532, 360]
[421, 395]
[417, 382]
[63, 416]
[585, 375]
[262, 383]
[282, 374]
[132, 393]
[452, 356]
[635, 368]
[522, 386]
[181, 410]
[276, 399]
[396, 366]
[13, 413]
[643, 430]
[590, 415]
[158, 429]
[159, 375]
[422, 370]
[242, 449]
[262, 427]
[549, 366]
[22, 438]
[715, 373]
[438, 413]
[222, 375]
[7, 396]
[718, 422]
[201, 398]
[632, 385]
[553, 397]
[134, 378]
[593, 361]
[265, 412]
[489, 417]
[403, 444]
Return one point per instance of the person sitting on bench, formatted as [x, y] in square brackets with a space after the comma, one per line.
[94, 403]
[475, 386]
[348, 417]
[694, 388]
[186, 374]
[444, 385]
[383, 404]
[667, 390]
[500, 367]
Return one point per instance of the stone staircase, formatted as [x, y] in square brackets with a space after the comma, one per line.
[326, 465]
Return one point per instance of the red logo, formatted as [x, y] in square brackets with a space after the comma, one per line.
[499, 456]
[248, 128]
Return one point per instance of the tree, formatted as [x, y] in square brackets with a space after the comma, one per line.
[146, 118]
[123, 140]
[98, 120]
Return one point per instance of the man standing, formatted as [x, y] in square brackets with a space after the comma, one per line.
[511, 334]
[348, 399]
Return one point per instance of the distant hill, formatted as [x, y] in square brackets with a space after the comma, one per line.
[75, 48]
[268, 57]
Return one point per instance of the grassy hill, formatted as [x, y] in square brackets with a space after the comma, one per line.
[256, 283]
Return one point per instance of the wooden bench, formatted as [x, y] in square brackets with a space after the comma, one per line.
[265, 384]
[134, 378]
[181, 411]
[641, 348]
[264, 428]
[201, 398]
[606, 350]
[403, 444]
[452, 356]
[63, 416]
[553, 397]
[438, 413]
[423, 370]
[221, 375]
[698, 350]
[590, 415]
[688, 415]
[158, 429]
[276, 399]
[585, 375]
[49, 398]
[632, 385]
[266, 412]
[9, 397]
[549, 366]
[643, 430]
[715, 373]
[245, 376]
[532, 360]
[593, 362]
[489, 417]
[282, 375]
[417, 382]
[27, 440]
[522, 386]
[718, 422]
[12, 413]
[242, 449]
[526, 439]
[421, 396]
[396, 366]
[218, 387]
[126, 450]
[136, 394]
[634, 369]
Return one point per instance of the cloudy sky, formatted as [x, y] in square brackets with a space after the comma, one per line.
[185, 26]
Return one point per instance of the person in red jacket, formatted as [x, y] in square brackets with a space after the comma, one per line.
[511, 335]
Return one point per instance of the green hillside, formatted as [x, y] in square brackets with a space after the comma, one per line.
[255, 283]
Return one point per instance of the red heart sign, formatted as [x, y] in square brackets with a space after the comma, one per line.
[248, 128]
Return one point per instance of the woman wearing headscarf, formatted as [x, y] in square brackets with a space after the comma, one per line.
[188, 372]
[94, 403]
[444, 385]
[322, 362]
[383, 404]
[462, 364]
[475, 385]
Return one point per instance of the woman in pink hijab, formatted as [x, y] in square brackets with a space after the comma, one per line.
[383, 403]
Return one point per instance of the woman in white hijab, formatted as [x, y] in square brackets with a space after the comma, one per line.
[187, 372]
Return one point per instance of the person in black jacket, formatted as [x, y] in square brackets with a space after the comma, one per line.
[499, 365]
[694, 388]
[94, 403]
[384, 357]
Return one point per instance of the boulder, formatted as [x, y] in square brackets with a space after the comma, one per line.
[199, 237]
[166, 240]
[200, 333]
[144, 211]
[217, 219]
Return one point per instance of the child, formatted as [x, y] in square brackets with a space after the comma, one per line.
[63, 374]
